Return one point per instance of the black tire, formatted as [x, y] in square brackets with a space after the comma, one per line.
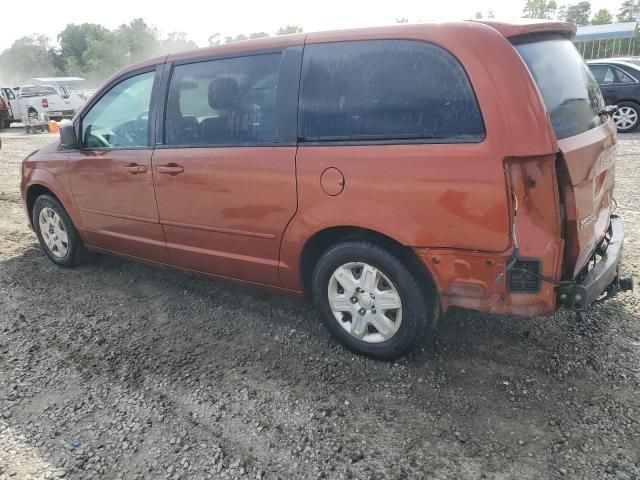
[7, 124]
[27, 129]
[419, 304]
[75, 248]
[634, 107]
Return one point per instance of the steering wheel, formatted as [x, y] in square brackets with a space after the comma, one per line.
[142, 122]
[101, 138]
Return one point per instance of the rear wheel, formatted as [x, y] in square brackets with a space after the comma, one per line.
[371, 301]
[56, 233]
[627, 117]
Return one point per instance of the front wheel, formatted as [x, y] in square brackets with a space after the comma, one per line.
[627, 117]
[371, 301]
[55, 231]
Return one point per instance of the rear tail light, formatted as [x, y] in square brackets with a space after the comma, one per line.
[45, 103]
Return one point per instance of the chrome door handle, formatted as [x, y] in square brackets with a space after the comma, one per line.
[135, 169]
[170, 169]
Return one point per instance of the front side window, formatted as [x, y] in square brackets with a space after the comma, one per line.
[223, 102]
[386, 90]
[120, 119]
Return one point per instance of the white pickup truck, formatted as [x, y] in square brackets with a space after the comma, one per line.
[42, 99]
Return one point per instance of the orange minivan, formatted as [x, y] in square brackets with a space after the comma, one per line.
[390, 173]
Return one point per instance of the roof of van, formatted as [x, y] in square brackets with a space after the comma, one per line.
[508, 28]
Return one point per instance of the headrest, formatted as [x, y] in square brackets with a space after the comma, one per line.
[224, 93]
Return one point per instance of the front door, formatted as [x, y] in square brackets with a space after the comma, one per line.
[224, 180]
[111, 176]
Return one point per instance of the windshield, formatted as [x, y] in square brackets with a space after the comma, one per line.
[570, 92]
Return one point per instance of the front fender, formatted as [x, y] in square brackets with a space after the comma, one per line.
[52, 175]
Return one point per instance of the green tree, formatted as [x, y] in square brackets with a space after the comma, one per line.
[237, 38]
[137, 40]
[398, 20]
[579, 13]
[539, 9]
[561, 13]
[214, 39]
[258, 35]
[477, 15]
[28, 57]
[288, 29]
[602, 17]
[103, 57]
[74, 41]
[176, 42]
[629, 11]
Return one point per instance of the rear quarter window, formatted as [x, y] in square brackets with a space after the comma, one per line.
[386, 90]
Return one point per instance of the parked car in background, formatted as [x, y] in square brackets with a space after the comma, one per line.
[46, 100]
[619, 81]
[14, 112]
[476, 171]
[70, 89]
[5, 112]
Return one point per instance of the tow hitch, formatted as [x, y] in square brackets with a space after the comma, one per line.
[603, 281]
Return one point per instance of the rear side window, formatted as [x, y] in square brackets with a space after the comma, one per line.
[571, 94]
[386, 90]
[223, 102]
[622, 77]
[603, 74]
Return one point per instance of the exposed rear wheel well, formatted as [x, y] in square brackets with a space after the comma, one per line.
[324, 239]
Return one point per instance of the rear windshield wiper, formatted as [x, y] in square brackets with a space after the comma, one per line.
[608, 110]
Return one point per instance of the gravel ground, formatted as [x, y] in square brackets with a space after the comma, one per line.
[119, 370]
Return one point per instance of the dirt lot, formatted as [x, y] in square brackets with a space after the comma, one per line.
[118, 370]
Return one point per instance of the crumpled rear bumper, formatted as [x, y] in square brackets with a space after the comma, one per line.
[603, 278]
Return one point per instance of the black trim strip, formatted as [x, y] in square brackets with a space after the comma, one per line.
[229, 231]
[208, 58]
[393, 141]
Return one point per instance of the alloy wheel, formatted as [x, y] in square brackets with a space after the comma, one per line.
[625, 117]
[54, 232]
[365, 302]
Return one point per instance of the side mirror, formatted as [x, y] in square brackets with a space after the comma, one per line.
[68, 135]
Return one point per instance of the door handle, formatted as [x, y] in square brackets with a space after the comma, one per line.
[170, 169]
[135, 169]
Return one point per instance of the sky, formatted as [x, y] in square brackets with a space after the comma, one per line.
[200, 19]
